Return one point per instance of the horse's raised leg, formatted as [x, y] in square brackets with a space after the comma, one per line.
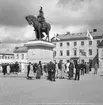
[48, 35]
[36, 35]
[46, 38]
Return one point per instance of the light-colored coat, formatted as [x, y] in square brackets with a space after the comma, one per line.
[95, 68]
[62, 70]
[8, 69]
[67, 66]
[57, 70]
[31, 71]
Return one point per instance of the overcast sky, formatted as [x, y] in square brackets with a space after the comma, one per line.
[63, 15]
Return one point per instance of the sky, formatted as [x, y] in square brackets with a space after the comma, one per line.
[63, 15]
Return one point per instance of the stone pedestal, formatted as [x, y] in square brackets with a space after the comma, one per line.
[40, 51]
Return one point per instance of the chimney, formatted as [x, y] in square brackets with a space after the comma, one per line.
[94, 30]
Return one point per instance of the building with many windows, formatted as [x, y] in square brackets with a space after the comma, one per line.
[77, 46]
[6, 57]
[20, 54]
[100, 53]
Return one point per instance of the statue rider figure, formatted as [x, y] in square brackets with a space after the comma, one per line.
[41, 17]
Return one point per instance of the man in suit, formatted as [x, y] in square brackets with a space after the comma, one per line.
[52, 68]
[16, 67]
[48, 67]
[85, 67]
[40, 64]
[4, 66]
[77, 67]
[82, 67]
[28, 69]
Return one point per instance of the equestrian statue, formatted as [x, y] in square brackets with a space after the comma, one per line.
[40, 25]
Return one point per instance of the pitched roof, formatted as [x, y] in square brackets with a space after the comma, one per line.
[6, 52]
[22, 49]
[79, 36]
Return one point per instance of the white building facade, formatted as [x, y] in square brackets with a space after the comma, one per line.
[77, 46]
[6, 57]
[100, 48]
[20, 56]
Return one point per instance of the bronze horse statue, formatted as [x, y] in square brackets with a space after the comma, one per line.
[38, 28]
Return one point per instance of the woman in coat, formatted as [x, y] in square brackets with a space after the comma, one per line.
[71, 70]
[95, 68]
[38, 72]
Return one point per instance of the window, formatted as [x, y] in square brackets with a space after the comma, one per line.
[75, 52]
[61, 44]
[98, 41]
[33, 52]
[8, 57]
[82, 43]
[75, 43]
[2, 56]
[5, 57]
[54, 53]
[61, 53]
[68, 43]
[22, 56]
[17, 56]
[90, 42]
[68, 52]
[90, 51]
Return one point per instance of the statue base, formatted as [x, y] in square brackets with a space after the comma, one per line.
[39, 51]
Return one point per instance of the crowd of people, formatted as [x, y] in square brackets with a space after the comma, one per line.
[70, 70]
[7, 68]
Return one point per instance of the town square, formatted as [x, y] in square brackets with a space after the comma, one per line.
[16, 90]
[51, 52]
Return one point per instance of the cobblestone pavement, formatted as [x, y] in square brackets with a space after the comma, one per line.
[16, 90]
